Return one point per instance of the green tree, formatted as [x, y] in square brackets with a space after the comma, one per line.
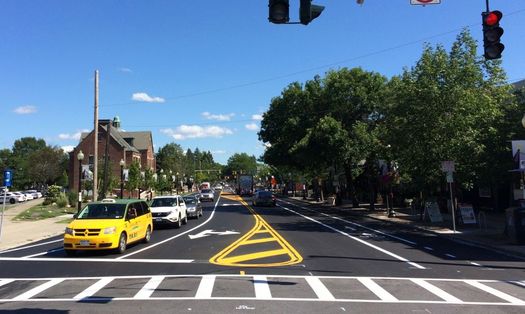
[133, 178]
[241, 163]
[446, 107]
[45, 165]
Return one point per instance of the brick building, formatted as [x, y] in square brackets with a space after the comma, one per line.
[122, 145]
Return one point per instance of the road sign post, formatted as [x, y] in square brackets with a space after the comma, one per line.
[448, 167]
[8, 180]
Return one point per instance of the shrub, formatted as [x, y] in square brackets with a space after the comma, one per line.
[72, 198]
[53, 193]
[47, 201]
[62, 200]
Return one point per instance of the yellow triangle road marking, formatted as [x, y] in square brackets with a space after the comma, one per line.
[251, 254]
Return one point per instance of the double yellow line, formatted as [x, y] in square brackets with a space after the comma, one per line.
[283, 252]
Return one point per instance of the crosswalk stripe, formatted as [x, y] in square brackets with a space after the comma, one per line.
[262, 289]
[149, 287]
[31, 293]
[320, 289]
[4, 282]
[205, 287]
[377, 290]
[437, 291]
[94, 288]
[499, 294]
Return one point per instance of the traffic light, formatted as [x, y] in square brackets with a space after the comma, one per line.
[279, 11]
[309, 11]
[492, 34]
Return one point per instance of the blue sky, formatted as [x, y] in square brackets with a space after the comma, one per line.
[200, 73]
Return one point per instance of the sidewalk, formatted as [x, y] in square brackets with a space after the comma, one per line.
[17, 233]
[490, 235]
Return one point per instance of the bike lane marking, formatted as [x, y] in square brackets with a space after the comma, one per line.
[356, 239]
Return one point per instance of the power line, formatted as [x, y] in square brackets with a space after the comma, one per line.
[328, 65]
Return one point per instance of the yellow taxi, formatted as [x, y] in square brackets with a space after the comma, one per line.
[109, 224]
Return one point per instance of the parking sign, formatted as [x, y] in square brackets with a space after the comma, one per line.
[8, 177]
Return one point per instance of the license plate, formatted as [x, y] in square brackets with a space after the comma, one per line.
[84, 243]
[158, 219]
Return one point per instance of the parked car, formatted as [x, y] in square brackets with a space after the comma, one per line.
[29, 196]
[109, 224]
[170, 210]
[35, 193]
[21, 195]
[263, 198]
[207, 195]
[193, 206]
[11, 198]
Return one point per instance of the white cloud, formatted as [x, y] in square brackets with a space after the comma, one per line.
[219, 152]
[257, 117]
[252, 126]
[25, 110]
[196, 131]
[147, 98]
[68, 148]
[71, 136]
[218, 117]
[125, 70]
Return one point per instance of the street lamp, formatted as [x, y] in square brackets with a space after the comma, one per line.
[80, 157]
[122, 162]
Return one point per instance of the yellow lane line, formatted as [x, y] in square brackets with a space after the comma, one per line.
[252, 256]
[247, 242]
[261, 226]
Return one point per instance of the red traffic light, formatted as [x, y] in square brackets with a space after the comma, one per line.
[493, 18]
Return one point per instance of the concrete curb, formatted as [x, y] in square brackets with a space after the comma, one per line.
[450, 236]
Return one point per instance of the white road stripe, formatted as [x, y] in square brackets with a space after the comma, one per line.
[149, 287]
[262, 289]
[499, 294]
[357, 239]
[94, 288]
[205, 287]
[450, 255]
[4, 282]
[98, 260]
[521, 283]
[43, 253]
[320, 289]
[437, 291]
[31, 293]
[30, 246]
[176, 236]
[355, 224]
[475, 264]
[378, 290]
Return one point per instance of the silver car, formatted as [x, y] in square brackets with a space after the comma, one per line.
[207, 195]
[193, 206]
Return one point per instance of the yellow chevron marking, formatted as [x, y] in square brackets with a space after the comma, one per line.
[283, 251]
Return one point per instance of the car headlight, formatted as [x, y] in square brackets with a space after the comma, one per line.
[69, 231]
[110, 230]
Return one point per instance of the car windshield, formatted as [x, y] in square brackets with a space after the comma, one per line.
[190, 200]
[164, 202]
[206, 191]
[103, 211]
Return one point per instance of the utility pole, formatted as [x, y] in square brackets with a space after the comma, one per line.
[95, 152]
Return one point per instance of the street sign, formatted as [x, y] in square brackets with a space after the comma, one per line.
[8, 177]
[450, 177]
[448, 166]
[424, 2]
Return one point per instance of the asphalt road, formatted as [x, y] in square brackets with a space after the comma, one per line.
[286, 259]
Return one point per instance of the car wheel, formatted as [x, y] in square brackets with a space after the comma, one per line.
[122, 243]
[178, 224]
[71, 252]
[147, 237]
[185, 221]
[12, 201]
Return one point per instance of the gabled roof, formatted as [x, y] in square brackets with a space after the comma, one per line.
[116, 135]
[142, 140]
